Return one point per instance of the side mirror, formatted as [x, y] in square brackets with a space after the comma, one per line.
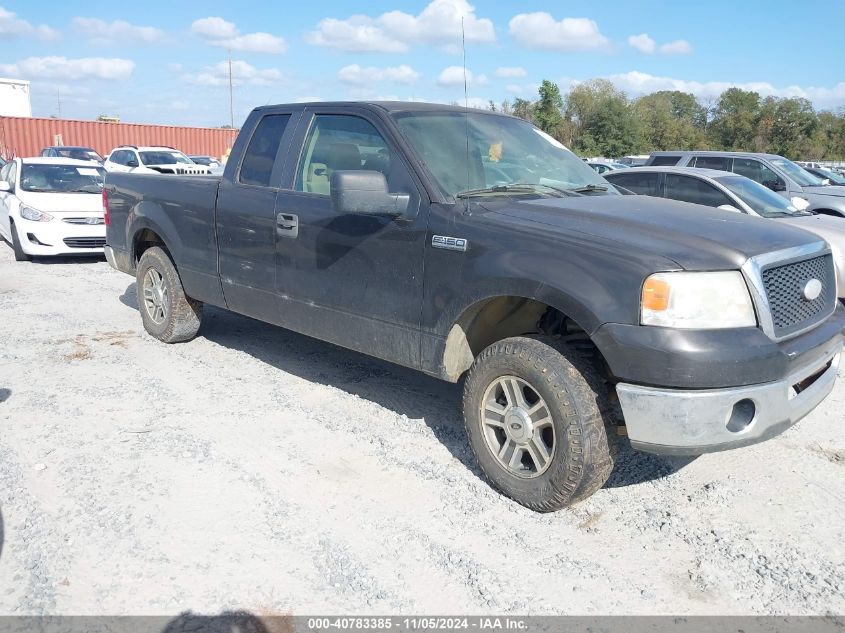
[775, 185]
[728, 207]
[132, 163]
[5, 186]
[365, 193]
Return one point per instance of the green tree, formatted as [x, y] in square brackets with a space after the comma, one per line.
[735, 118]
[524, 109]
[547, 110]
[671, 120]
[600, 120]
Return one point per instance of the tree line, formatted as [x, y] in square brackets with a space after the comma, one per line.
[597, 119]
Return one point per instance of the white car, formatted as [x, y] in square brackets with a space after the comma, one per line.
[52, 206]
[151, 160]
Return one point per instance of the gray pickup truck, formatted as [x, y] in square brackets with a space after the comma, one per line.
[473, 246]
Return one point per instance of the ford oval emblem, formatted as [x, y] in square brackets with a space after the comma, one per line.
[812, 290]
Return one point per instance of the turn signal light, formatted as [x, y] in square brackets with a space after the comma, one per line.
[656, 294]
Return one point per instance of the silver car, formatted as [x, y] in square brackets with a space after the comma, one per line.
[732, 192]
[781, 175]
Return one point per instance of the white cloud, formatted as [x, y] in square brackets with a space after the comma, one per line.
[520, 90]
[218, 32]
[12, 26]
[242, 73]
[64, 68]
[678, 47]
[355, 74]
[454, 76]
[541, 30]
[638, 83]
[511, 72]
[98, 31]
[643, 43]
[214, 28]
[395, 31]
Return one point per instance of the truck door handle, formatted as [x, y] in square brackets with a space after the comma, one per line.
[287, 225]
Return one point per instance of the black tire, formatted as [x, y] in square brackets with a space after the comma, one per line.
[182, 315]
[20, 256]
[584, 441]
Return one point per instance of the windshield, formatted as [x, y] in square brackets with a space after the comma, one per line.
[475, 151]
[79, 153]
[833, 177]
[164, 158]
[62, 178]
[796, 172]
[761, 199]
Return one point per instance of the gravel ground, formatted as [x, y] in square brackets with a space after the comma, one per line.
[257, 469]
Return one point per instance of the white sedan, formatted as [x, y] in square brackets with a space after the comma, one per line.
[52, 206]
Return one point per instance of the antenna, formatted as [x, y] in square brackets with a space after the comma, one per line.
[59, 101]
[231, 97]
[466, 99]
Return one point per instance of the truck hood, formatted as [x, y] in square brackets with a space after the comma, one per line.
[828, 190]
[693, 236]
[827, 227]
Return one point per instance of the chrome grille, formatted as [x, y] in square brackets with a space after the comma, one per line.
[85, 242]
[89, 221]
[784, 285]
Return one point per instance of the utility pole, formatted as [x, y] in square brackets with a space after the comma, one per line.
[231, 94]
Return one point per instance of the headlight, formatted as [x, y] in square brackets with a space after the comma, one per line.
[691, 300]
[34, 215]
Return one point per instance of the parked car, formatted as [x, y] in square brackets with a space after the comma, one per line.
[603, 168]
[732, 192]
[2, 162]
[779, 174]
[52, 206]
[214, 166]
[833, 177]
[379, 228]
[77, 153]
[151, 160]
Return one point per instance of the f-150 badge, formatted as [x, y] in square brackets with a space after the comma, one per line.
[449, 243]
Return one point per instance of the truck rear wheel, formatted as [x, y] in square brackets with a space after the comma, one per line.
[166, 311]
[538, 420]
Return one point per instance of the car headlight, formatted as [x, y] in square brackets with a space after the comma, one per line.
[34, 215]
[693, 300]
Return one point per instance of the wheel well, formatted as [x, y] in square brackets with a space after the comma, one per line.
[145, 239]
[494, 319]
[838, 214]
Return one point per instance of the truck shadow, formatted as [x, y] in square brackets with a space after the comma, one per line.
[398, 389]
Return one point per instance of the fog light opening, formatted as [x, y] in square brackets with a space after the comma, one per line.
[742, 416]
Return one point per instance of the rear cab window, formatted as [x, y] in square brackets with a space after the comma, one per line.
[260, 155]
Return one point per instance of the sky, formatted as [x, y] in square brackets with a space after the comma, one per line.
[167, 62]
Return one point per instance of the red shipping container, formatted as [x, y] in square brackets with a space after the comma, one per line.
[28, 136]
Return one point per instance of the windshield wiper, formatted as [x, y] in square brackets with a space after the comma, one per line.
[589, 188]
[514, 187]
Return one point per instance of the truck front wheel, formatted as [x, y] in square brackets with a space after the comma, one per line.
[166, 311]
[538, 421]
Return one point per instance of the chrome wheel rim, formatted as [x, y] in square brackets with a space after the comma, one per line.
[156, 296]
[517, 426]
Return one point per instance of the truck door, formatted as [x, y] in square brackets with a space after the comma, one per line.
[246, 226]
[354, 280]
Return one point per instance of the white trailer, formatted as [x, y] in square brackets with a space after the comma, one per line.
[14, 98]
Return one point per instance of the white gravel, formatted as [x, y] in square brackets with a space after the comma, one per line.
[257, 469]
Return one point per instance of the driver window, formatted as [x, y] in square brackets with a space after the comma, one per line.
[757, 171]
[344, 142]
[688, 189]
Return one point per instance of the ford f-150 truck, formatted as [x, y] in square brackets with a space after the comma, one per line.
[472, 246]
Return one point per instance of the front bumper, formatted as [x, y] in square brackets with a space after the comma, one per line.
[692, 422]
[46, 239]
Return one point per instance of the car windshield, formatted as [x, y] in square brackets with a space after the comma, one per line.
[162, 157]
[201, 160]
[79, 153]
[796, 172]
[62, 178]
[483, 154]
[833, 177]
[761, 199]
